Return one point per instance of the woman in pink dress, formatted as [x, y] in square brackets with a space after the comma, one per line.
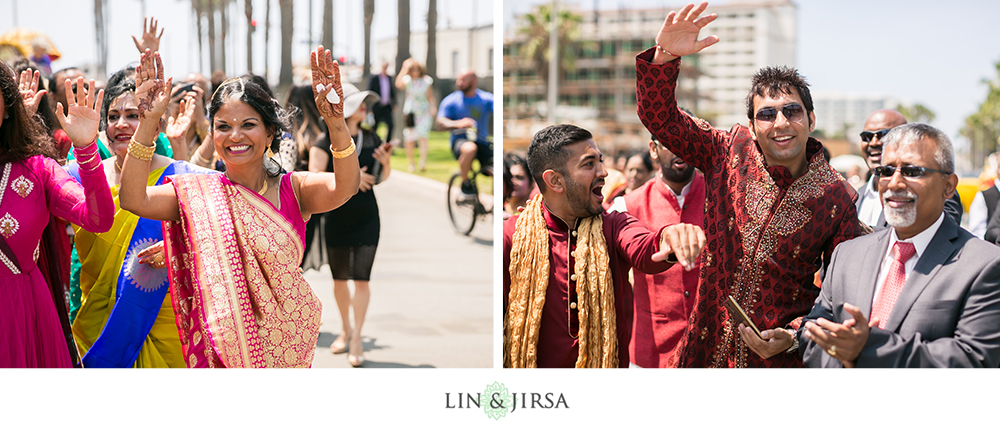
[34, 187]
[234, 240]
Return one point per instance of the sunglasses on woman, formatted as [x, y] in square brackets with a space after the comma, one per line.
[910, 171]
[867, 136]
[793, 113]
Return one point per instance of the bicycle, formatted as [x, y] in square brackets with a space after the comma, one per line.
[464, 209]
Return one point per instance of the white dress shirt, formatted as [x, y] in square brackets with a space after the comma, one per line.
[978, 213]
[871, 208]
[920, 243]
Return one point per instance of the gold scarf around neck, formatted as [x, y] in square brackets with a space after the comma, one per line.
[529, 278]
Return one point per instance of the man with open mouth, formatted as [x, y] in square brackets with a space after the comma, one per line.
[774, 207]
[567, 297]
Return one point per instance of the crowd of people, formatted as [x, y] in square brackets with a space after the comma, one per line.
[746, 248]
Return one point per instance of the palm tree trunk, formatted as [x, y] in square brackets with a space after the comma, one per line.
[369, 15]
[199, 8]
[432, 17]
[403, 33]
[212, 59]
[224, 20]
[285, 75]
[248, 8]
[328, 24]
[102, 38]
[267, 37]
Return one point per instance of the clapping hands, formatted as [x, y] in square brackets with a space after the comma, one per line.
[84, 111]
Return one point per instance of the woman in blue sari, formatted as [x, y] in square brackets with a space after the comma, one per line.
[125, 318]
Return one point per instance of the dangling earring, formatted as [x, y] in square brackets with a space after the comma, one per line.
[270, 154]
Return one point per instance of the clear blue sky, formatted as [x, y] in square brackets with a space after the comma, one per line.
[931, 52]
[70, 25]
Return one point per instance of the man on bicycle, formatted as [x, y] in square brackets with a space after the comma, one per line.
[466, 112]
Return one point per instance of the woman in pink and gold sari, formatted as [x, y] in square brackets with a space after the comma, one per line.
[234, 241]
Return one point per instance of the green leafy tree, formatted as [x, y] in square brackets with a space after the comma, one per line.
[983, 127]
[916, 113]
[535, 48]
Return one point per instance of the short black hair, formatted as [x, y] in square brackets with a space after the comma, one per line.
[547, 152]
[647, 161]
[119, 83]
[773, 81]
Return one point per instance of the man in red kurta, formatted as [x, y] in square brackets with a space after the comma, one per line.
[566, 165]
[774, 207]
[664, 301]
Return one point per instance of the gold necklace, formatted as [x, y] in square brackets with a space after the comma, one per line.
[262, 190]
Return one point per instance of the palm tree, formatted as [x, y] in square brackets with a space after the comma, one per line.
[267, 37]
[983, 127]
[403, 33]
[369, 7]
[432, 18]
[102, 38]
[248, 8]
[285, 75]
[198, 7]
[210, 13]
[535, 48]
[224, 20]
[328, 23]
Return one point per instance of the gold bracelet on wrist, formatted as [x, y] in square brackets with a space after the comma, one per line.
[340, 154]
[200, 161]
[88, 161]
[140, 151]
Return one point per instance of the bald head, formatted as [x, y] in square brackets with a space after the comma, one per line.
[466, 82]
[880, 120]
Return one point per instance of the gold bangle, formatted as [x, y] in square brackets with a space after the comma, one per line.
[340, 154]
[140, 151]
[200, 161]
[88, 161]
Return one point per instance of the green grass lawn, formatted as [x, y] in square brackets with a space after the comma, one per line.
[440, 162]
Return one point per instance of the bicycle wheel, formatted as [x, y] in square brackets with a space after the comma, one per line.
[486, 199]
[462, 213]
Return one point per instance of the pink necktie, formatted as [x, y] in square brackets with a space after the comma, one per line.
[902, 251]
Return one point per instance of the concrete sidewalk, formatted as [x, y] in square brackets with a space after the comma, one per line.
[431, 288]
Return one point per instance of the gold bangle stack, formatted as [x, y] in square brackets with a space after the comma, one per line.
[140, 151]
[81, 155]
[200, 161]
[340, 154]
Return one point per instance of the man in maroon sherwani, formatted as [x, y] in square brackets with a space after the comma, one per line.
[663, 301]
[568, 169]
[774, 208]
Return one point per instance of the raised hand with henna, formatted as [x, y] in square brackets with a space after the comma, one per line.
[327, 89]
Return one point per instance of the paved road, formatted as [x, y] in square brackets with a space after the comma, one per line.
[432, 289]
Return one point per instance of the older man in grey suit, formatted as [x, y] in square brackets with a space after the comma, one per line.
[930, 288]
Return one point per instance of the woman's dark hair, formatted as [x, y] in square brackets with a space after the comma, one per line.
[510, 160]
[45, 113]
[119, 83]
[21, 135]
[307, 123]
[647, 161]
[276, 119]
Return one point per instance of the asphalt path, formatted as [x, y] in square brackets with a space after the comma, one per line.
[431, 288]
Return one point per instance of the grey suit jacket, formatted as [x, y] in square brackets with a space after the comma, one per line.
[948, 314]
[953, 207]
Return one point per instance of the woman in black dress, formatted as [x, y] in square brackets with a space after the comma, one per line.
[351, 231]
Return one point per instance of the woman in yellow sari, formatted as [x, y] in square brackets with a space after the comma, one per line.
[125, 318]
[234, 241]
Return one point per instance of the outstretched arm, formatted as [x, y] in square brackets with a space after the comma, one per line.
[93, 209]
[322, 192]
[153, 93]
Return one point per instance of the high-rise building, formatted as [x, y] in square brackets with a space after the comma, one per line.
[713, 84]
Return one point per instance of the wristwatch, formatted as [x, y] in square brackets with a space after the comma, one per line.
[795, 342]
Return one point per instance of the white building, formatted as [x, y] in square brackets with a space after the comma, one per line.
[838, 112]
[457, 49]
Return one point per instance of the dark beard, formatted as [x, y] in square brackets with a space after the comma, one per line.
[679, 176]
[578, 197]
